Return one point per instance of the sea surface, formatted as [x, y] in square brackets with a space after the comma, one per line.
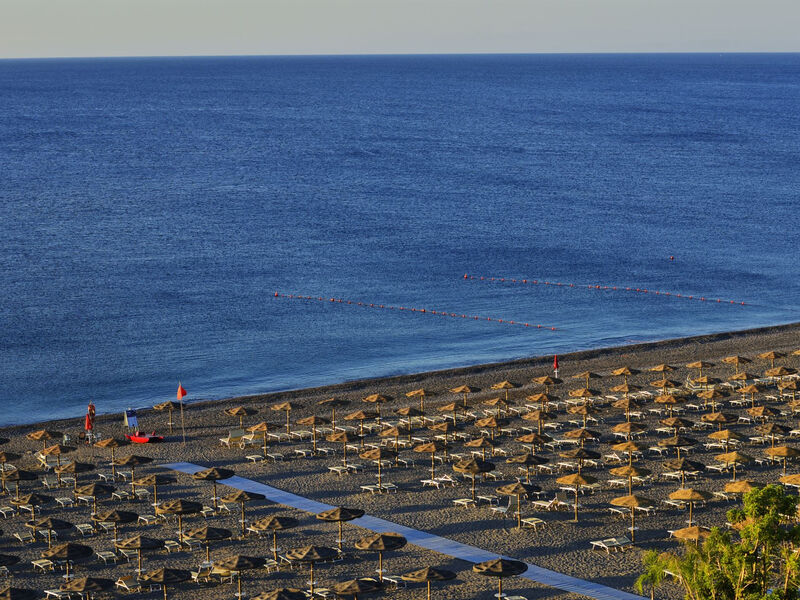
[151, 208]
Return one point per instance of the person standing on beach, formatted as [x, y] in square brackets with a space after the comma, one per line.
[89, 423]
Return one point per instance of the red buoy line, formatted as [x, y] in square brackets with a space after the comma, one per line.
[615, 288]
[426, 311]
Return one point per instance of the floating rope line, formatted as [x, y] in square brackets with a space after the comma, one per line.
[615, 288]
[426, 311]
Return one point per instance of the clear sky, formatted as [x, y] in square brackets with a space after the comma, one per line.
[46, 28]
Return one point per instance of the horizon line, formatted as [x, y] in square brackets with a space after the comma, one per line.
[393, 54]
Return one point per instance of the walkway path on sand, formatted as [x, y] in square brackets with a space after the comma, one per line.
[421, 538]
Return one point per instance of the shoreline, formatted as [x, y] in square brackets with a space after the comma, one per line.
[708, 344]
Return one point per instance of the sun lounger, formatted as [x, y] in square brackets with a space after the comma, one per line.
[128, 583]
[106, 556]
[612, 544]
[234, 437]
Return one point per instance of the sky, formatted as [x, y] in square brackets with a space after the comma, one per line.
[59, 28]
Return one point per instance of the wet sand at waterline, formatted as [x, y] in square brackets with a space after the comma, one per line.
[559, 544]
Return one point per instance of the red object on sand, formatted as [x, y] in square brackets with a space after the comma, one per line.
[89, 425]
[144, 438]
[181, 391]
[555, 363]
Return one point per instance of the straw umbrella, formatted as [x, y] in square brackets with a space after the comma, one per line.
[95, 490]
[662, 368]
[527, 460]
[139, 543]
[311, 555]
[360, 416]
[207, 535]
[582, 434]
[313, 421]
[34, 500]
[719, 419]
[669, 400]
[580, 454]
[505, 386]
[629, 448]
[168, 406]
[514, 489]
[743, 376]
[57, 450]
[491, 423]
[69, 552]
[74, 468]
[378, 455]
[444, 427]
[576, 480]
[762, 412]
[112, 444]
[165, 576]
[16, 477]
[421, 393]
[771, 356]
[534, 439]
[430, 448]
[481, 443]
[156, 479]
[625, 372]
[772, 430]
[43, 435]
[692, 534]
[791, 386]
[735, 360]
[263, 428]
[465, 390]
[340, 515]
[238, 563]
[395, 432]
[287, 408]
[626, 403]
[213, 475]
[793, 479]
[691, 496]
[630, 472]
[633, 502]
[333, 404]
[712, 395]
[87, 585]
[663, 384]
[584, 393]
[536, 415]
[179, 508]
[241, 496]
[427, 575]
[700, 365]
[546, 381]
[356, 587]
[344, 438]
[133, 461]
[116, 517]
[5, 459]
[282, 594]
[500, 405]
[725, 435]
[409, 412]
[584, 411]
[740, 487]
[451, 407]
[500, 568]
[380, 543]
[377, 400]
[473, 467]
[782, 452]
[241, 412]
[684, 465]
[275, 523]
[677, 442]
[629, 429]
[51, 524]
[751, 389]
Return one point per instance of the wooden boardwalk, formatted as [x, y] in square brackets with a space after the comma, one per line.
[421, 538]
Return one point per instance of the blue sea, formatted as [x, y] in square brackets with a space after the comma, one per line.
[152, 207]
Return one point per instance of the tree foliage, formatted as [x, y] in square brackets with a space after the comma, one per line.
[758, 560]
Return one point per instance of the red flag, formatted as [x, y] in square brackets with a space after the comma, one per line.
[181, 391]
[555, 362]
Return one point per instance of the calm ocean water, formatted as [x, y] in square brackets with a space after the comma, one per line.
[152, 207]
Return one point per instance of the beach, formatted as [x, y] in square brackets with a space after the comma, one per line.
[558, 543]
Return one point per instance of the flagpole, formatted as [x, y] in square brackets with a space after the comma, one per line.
[183, 424]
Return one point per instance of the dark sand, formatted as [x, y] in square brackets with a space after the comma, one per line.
[560, 545]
